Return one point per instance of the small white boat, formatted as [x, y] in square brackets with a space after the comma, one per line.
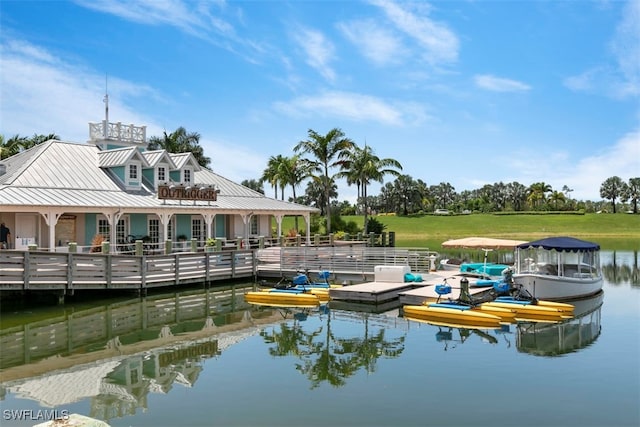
[558, 268]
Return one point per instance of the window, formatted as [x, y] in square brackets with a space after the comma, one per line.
[122, 229]
[162, 174]
[153, 229]
[133, 172]
[104, 229]
[253, 225]
[187, 176]
[196, 230]
[170, 230]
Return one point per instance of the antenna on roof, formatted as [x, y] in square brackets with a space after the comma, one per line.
[106, 106]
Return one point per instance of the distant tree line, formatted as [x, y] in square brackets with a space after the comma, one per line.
[322, 159]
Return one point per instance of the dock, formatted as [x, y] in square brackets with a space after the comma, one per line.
[390, 286]
[389, 282]
[427, 292]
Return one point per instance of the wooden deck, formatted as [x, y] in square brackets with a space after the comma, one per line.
[427, 292]
[67, 272]
[405, 293]
[371, 292]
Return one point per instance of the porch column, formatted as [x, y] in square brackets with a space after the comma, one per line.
[165, 218]
[208, 220]
[279, 222]
[246, 218]
[307, 219]
[113, 218]
[51, 218]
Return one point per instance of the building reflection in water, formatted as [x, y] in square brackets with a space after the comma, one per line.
[115, 355]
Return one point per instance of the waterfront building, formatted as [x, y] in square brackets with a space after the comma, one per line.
[111, 188]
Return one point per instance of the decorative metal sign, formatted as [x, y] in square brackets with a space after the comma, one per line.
[179, 192]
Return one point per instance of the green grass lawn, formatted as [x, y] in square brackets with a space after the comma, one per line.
[612, 231]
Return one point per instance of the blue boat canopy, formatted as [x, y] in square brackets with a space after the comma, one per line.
[566, 244]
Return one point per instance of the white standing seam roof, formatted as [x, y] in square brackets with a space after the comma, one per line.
[120, 157]
[156, 156]
[65, 175]
[181, 159]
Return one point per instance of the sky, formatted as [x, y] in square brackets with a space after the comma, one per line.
[464, 92]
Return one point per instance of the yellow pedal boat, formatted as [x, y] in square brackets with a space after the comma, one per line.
[478, 318]
[533, 312]
[275, 297]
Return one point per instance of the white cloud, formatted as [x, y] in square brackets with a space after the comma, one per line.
[621, 159]
[626, 49]
[42, 94]
[153, 12]
[377, 44]
[233, 161]
[440, 44]
[584, 175]
[194, 18]
[499, 84]
[355, 107]
[620, 78]
[318, 50]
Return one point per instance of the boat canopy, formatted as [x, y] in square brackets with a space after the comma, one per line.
[482, 243]
[563, 243]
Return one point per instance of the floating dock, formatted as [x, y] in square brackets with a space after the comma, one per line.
[427, 292]
[390, 281]
[390, 285]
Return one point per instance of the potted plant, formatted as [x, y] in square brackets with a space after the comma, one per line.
[210, 245]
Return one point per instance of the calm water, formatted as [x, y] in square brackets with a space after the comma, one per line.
[206, 358]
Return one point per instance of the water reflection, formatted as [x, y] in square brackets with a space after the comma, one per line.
[556, 339]
[324, 355]
[116, 356]
[621, 268]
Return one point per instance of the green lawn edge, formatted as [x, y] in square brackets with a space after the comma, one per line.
[611, 231]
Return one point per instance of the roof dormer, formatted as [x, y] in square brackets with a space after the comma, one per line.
[160, 166]
[126, 163]
[186, 166]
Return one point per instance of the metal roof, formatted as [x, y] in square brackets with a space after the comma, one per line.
[156, 156]
[120, 157]
[66, 175]
[181, 159]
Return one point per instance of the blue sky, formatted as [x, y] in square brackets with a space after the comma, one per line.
[465, 92]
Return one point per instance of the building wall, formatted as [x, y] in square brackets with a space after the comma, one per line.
[138, 224]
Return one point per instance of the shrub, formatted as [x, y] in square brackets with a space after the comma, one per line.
[375, 226]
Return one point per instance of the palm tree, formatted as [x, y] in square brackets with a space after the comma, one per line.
[292, 171]
[443, 193]
[180, 141]
[361, 166]
[38, 139]
[538, 193]
[327, 151]
[271, 173]
[555, 197]
[633, 193]
[314, 194]
[612, 188]
[11, 146]
[253, 184]
[517, 195]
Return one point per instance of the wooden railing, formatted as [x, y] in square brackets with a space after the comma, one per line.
[29, 270]
[348, 259]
